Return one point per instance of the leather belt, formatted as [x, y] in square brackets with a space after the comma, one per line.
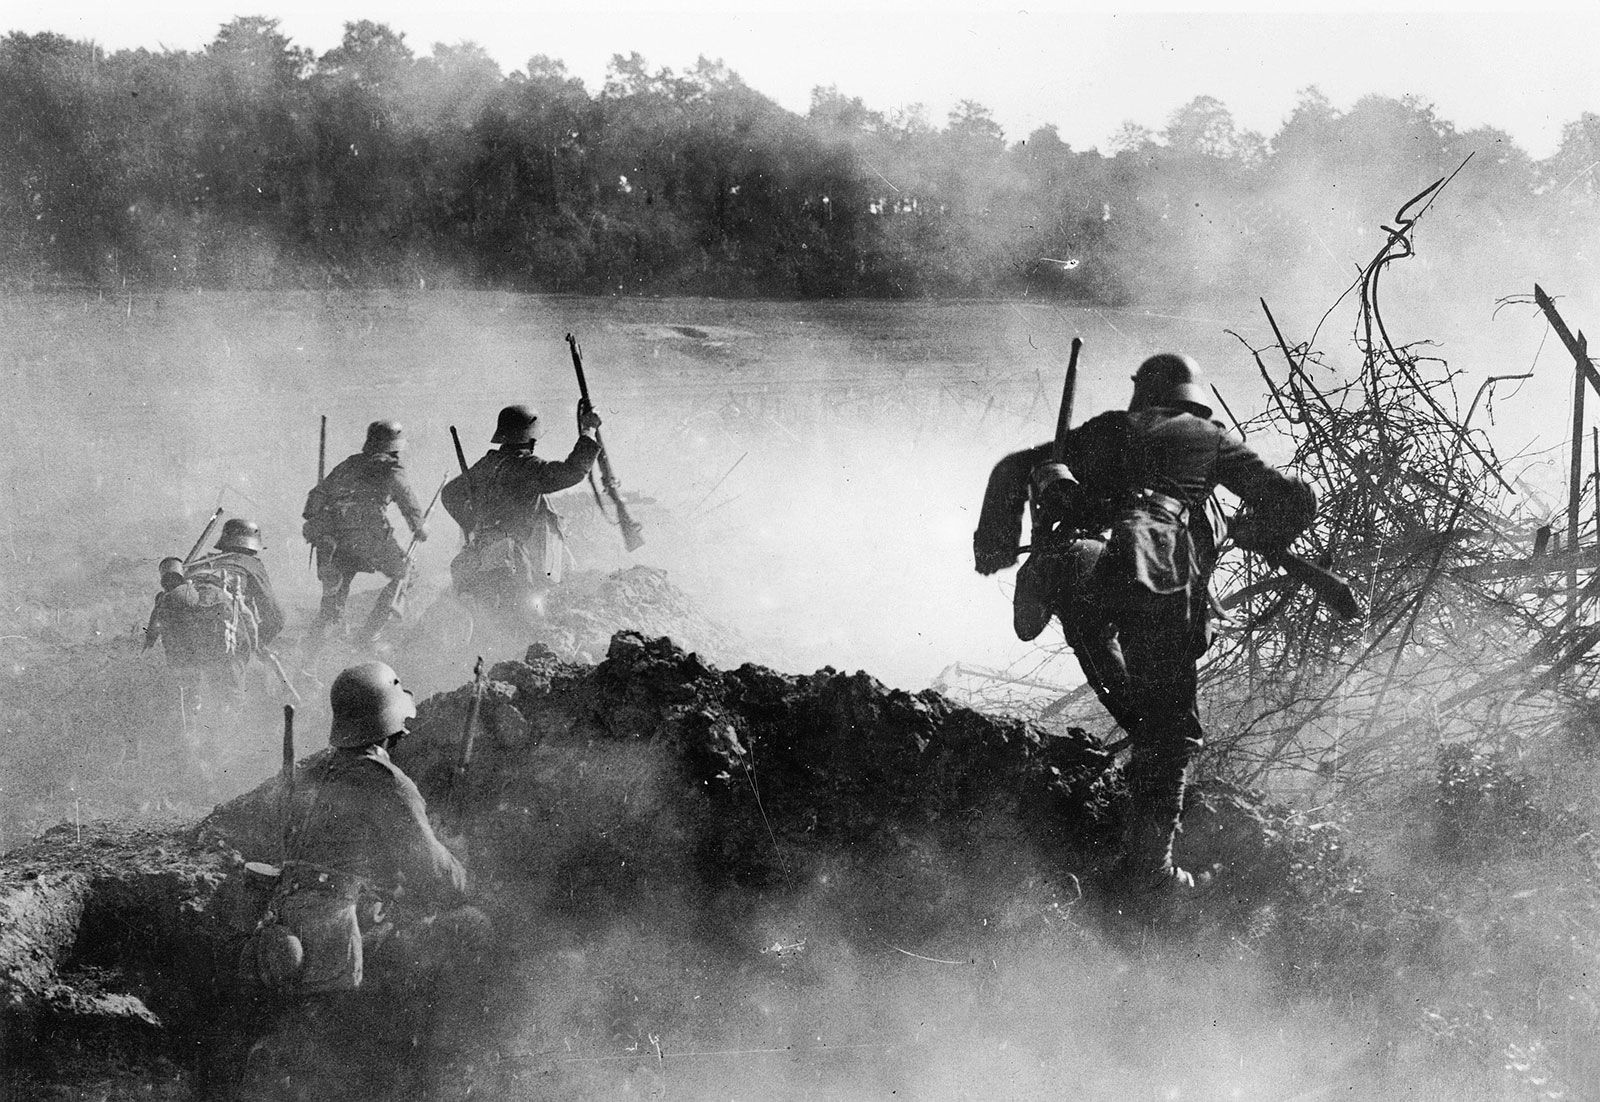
[302, 876]
[1153, 499]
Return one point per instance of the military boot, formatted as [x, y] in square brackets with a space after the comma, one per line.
[1155, 784]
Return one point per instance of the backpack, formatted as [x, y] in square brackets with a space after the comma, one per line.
[220, 622]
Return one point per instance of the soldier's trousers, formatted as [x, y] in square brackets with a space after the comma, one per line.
[1151, 655]
[352, 554]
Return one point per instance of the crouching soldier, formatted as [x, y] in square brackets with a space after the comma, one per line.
[214, 613]
[1125, 536]
[367, 887]
[514, 545]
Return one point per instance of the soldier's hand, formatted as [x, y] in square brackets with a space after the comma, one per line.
[420, 534]
[588, 419]
[991, 560]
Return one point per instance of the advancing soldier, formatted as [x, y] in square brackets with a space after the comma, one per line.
[365, 877]
[214, 613]
[514, 546]
[1124, 540]
[346, 520]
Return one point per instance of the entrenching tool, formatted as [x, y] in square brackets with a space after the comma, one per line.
[632, 534]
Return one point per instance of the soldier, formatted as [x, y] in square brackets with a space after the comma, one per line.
[365, 876]
[514, 547]
[214, 613]
[346, 520]
[1124, 540]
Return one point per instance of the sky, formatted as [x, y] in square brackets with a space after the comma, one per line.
[1087, 71]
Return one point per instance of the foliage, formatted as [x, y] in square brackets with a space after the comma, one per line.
[254, 164]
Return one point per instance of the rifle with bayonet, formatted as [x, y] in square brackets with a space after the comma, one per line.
[632, 534]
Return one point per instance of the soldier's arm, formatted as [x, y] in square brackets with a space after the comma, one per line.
[999, 532]
[269, 613]
[400, 491]
[559, 474]
[427, 866]
[1280, 507]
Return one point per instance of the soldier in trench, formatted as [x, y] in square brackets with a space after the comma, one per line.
[368, 929]
[367, 883]
[1125, 536]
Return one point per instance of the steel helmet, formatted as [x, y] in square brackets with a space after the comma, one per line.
[517, 425]
[369, 705]
[383, 436]
[1169, 378]
[240, 535]
[170, 565]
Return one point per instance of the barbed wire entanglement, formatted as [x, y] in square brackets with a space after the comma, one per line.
[1477, 631]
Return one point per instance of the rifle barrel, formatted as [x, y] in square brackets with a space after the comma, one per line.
[286, 812]
[205, 536]
[1069, 389]
[632, 531]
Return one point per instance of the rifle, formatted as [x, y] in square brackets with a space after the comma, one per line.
[411, 550]
[282, 676]
[205, 537]
[632, 534]
[469, 736]
[322, 473]
[286, 795]
[1058, 452]
[466, 476]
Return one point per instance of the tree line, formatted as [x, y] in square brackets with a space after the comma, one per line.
[254, 164]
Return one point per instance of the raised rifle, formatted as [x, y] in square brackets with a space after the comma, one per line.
[632, 534]
[469, 735]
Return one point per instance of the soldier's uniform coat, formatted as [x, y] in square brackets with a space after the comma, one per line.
[347, 520]
[1137, 616]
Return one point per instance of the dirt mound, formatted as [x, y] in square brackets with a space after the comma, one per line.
[661, 844]
[101, 729]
